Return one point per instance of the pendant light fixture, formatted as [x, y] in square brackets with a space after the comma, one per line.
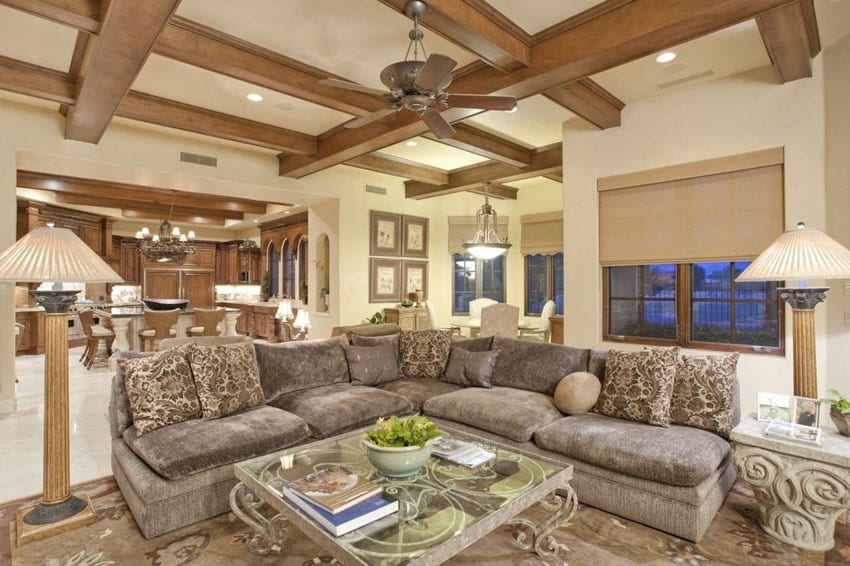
[486, 244]
[167, 246]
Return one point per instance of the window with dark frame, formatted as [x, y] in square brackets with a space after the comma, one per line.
[544, 280]
[475, 279]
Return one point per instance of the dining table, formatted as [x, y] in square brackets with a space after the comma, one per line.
[474, 325]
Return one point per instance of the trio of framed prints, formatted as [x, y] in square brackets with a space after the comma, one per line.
[391, 279]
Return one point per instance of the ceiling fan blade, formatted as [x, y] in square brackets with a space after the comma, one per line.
[434, 73]
[435, 121]
[369, 118]
[483, 101]
[337, 83]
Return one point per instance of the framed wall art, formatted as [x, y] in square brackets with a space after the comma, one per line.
[414, 241]
[414, 276]
[384, 233]
[385, 284]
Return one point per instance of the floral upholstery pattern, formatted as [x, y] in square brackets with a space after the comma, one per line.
[424, 353]
[638, 386]
[160, 389]
[703, 393]
[226, 377]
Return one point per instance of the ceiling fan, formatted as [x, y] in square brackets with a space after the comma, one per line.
[419, 86]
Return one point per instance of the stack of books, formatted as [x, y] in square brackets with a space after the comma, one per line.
[460, 452]
[338, 500]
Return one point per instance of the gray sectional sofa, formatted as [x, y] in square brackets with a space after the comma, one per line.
[673, 479]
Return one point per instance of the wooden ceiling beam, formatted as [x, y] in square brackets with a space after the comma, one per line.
[557, 177]
[80, 48]
[589, 100]
[476, 27]
[497, 191]
[188, 218]
[399, 167]
[83, 15]
[542, 163]
[790, 35]
[40, 82]
[127, 34]
[152, 210]
[477, 141]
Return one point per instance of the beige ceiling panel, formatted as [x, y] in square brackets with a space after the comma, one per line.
[434, 154]
[544, 14]
[535, 184]
[537, 121]
[35, 40]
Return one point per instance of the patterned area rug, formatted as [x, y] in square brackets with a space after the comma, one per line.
[592, 537]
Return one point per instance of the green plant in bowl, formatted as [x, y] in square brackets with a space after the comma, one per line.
[839, 411]
[398, 447]
[839, 401]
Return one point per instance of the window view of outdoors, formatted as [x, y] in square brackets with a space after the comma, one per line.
[544, 276]
[475, 279]
[642, 301]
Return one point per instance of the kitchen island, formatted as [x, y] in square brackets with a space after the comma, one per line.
[128, 320]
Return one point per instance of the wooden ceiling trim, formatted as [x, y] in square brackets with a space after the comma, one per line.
[557, 177]
[577, 20]
[83, 15]
[399, 167]
[164, 112]
[497, 191]
[787, 39]
[76, 65]
[589, 100]
[475, 140]
[152, 210]
[544, 162]
[33, 80]
[187, 218]
[112, 63]
[473, 28]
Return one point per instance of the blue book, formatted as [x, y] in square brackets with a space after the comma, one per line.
[365, 512]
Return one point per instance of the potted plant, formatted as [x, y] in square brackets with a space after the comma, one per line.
[398, 447]
[839, 410]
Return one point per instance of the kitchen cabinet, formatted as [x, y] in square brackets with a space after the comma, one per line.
[195, 285]
[128, 268]
[231, 263]
[31, 338]
[556, 329]
[411, 318]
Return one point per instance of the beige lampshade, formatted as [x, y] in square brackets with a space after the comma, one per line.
[801, 253]
[54, 254]
[302, 321]
[284, 310]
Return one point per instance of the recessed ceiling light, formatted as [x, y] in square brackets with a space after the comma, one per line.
[286, 211]
[254, 97]
[512, 110]
[256, 221]
[666, 57]
[411, 143]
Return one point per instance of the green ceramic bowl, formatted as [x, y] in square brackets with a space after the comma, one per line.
[397, 462]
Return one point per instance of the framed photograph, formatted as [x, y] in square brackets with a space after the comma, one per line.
[385, 284]
[384, 233]
[414, 275]
[773, 406]
[414, 241]
[806, 411]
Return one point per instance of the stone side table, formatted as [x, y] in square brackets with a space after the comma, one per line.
[801, 489]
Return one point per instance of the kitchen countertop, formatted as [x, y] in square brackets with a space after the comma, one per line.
[137, 311]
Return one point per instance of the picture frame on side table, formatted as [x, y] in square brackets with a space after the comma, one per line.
[806, 411]
[774, 406]
[384, 233]
[414, 276]
[385, 283]
[414, 241]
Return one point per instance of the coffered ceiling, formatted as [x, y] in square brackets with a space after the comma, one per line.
[190, 64]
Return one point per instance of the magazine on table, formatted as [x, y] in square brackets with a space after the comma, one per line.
[460, 452]
[333, 489]
[361, 514]
[794, 432]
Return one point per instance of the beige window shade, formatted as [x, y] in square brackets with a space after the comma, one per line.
[732, 215]
[542, 233]
[462, 229]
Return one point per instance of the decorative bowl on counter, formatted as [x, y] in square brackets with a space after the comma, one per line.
[165, 304]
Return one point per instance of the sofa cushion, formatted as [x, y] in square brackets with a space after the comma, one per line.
[577, 393]
[358, 340]
[417, 391]
[292, 366]
[120, 413]
[535, 366]
[477, 344]
[424, 353]
[470, 369]
[638, 385]
[703, 393]
[193, 446]
[371, 365]
[160, 390]
[226, 378]
[678, 455]
[512, 413]
[332, 409]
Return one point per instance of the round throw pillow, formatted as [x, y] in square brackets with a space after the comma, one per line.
[577, 393]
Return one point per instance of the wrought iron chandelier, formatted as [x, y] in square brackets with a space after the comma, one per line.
[486, 244]
[167, 246]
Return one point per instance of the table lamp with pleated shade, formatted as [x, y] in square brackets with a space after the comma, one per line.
[801, 254]
[58, 255]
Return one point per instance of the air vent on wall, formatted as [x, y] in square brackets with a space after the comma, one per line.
[376, 190]
[199, 159]
[689, 78]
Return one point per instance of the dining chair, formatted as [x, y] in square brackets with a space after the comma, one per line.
[476, 305]
[160, 324]
[500, 320]
[542, 331]
[432, 319]
[206, 322]
[94, 334]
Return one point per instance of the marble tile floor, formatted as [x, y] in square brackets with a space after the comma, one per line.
[21, 432]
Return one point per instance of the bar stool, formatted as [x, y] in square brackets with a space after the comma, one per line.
[206, 322]
[160, 324]
[94, 334]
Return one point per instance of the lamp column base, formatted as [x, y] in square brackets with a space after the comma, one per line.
[42, 521]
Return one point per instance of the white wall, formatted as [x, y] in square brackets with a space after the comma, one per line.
[724, 117]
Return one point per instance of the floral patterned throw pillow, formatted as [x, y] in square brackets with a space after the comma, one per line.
[226, 377]
[424, 353]
[638, 386]
[160, 390]
[704, 392]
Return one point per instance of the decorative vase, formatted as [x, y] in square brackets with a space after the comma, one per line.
[397, 462]
[840, 420]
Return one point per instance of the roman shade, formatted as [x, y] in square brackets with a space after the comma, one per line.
[462, 229]
[542, 233]
[722, 209]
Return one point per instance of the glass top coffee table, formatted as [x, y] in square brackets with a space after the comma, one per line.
[443, 509]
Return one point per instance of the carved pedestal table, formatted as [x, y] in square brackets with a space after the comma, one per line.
[801, 489]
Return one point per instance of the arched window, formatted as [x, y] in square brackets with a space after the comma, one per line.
[302, 269]
[274, 273]
[288, 270]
